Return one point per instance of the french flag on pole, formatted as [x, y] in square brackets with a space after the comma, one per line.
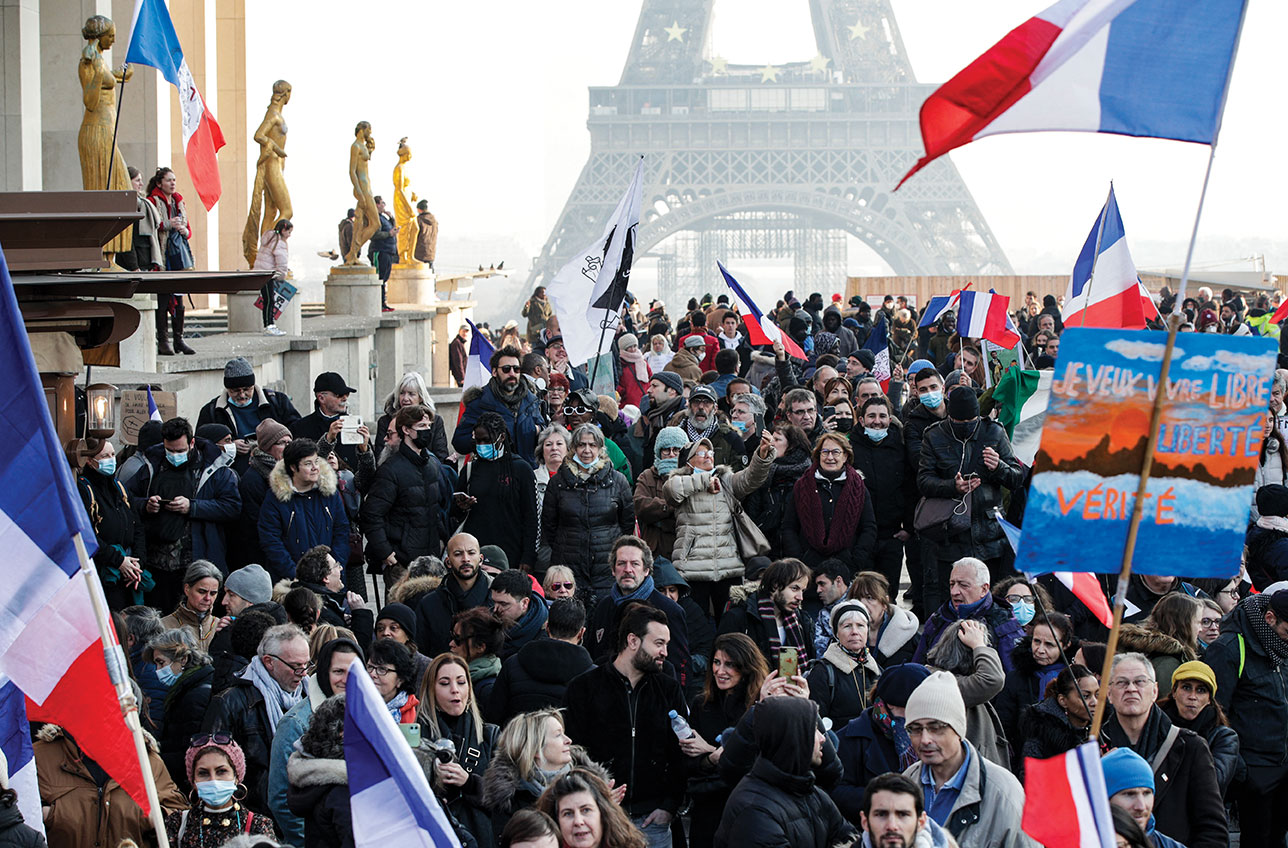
[390, 799]
[154, 414]
[49, 639]
[1104, 290]
[1149, 68]
[940, 304]
[984, 316]
[879, 343]
[478, 364]
[760, 330]
[1066, 804]
[154, 43]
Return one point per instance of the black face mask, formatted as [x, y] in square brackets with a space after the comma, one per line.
[963, 430]
[844, 425]
[423, 438]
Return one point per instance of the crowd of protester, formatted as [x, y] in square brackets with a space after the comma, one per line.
[693, 610]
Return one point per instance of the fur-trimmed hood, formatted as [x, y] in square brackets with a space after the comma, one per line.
[52, 733]
[315, 771]
[740, 593]
[411, 590]
[502, 781]
[279, 482]
[902, 627]
[1133, 637]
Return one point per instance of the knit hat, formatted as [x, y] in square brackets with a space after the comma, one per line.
[1125, 769]
[937, 698]
[694, 341]
[755, 566]
[213, 433]
[671, 380]
[1279, 603]
[848, 607]
[688, 450]
[627, 340]
[669, 437]
[963, 404]
[250, 582]
[495, 557]
[1272, 499]
[149, 434]
[230, 748]
[238, 373]
[400, 613]
[897, 683]
[836, 298]
[1195, 670]
[919, 364]
[269, 433]
[865, 357]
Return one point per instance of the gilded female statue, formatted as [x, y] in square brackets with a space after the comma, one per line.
[368, 217]
[270, 200]
[98, 90]
[404, 211]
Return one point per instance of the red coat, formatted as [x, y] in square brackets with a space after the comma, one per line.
[629, 387]
[712, 346]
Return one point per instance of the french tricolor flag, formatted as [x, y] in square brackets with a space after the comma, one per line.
[760, 330]
[50, 646]
[1066, 804]
[153, 42]
[1150, 68]
[983, 315]
[1104, 289]
[879, 343]
[1083, 584]
[478, 362]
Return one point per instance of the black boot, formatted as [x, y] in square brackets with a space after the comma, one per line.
[179, 345]
[163, 343]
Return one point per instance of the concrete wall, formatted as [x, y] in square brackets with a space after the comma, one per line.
[61, 103]
[20, 107]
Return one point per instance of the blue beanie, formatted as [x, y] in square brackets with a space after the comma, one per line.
[1125, 769]
[919, 364]
[669, 437]
[897, 682]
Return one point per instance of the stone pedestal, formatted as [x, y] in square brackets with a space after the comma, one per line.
[245, 317]
[139, 351]
[412, 285]
[353, 290]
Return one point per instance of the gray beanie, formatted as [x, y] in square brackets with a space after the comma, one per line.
[671, 380]
[252, 583]
[937, 698]
[238, 373]
[847, 607]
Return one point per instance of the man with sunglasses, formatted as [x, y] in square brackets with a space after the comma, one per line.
[508, 395]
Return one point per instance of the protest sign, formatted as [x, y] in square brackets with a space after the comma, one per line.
[1087, 469]
[134, 412]
[282, 294]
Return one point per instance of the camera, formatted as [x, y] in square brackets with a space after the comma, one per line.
[444, 750]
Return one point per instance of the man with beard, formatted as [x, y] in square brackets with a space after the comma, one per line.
[894, 816]
[619, 712]
[700, 421]
[465, 587]
[665, 399]
[633, 582]
[508, 395]
[773, 616]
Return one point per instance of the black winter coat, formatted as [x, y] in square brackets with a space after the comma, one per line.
[1019, 692]
[361, 621]
[436, 610]
[268, 404]
[581, 516]
[240, 710]
[766, 505]
[771, 808]
[1047, 732]
[114, 523]
[1253, 691]
[243, 537]
[857, 555]
[745, 618]
[915, 424]
[741, 750]
[403, 512]
[185, 709]
[536, 677]
[885, 472]
[865, 752]
[1222, 741]
[942, 457]
[1267, 556]
[318, 792]
[506, 512]
[14, 833]
[601, 631]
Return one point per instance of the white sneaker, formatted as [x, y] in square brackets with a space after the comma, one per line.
[272, 330]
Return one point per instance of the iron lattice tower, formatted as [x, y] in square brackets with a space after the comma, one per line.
[776, 161]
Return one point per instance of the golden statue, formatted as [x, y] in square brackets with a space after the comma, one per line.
[368, 217]
[270, 200]
[98, 155]
[405, 223]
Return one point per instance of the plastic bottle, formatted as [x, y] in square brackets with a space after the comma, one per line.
[680, 726]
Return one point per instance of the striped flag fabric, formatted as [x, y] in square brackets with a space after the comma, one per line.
[940, 304]
[1021, 397]
[984, 315]
[1066, 803]
[1148, 68]
[478, 363]
[390, 799]
[153, 42]
[1112, 296]
[760, 329]
[19, 764]
[154, 414]
[879, 343]
[50, 646]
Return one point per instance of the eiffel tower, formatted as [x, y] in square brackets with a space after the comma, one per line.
[774, 161]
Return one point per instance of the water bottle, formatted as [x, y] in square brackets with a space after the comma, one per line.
[680, 726]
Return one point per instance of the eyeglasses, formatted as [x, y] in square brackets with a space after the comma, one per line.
[1233, 593]
[508, 369]
[1208, 622]
[457, 639]
[555, 587]
[934, 728]
[831, 452]
[570, 409]
[380, 671]
[1136, 682]
[668, 452]
[1015, 599]
[210, 739]
[300, 669]
[701, 455]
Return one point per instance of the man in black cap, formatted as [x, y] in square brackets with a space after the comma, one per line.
[330, 403]
[701, 421]
[243, 405]
[967, 456]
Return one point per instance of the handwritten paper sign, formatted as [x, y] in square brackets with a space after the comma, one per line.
[1087, 469]
[134, 412]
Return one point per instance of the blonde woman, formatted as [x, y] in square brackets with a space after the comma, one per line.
[559, 583]
[412, 390]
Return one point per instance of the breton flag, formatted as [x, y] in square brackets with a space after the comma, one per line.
[17, 760]
[587, 293]
[154, 414]
[390, 799]
[1084, 585]
[49, 639]
[478, 365]
[153, 42]
[1112, 296]
[760, 330]
[1066, 804]
[984, 316]
[879, 343]
[1149, 68]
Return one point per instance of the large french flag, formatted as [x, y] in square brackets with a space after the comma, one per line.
[19, 759]
[153, 42]
[49, 639]
[760, 330]
[1066, 804]
[1104, 290]
[478, 363]
[983, 315]
[390, 799]
[1151, 68]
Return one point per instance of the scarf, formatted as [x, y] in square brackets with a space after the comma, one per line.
[482, 668]
[1046, 674]
[276, 700]
[1273, 522]
[655, 417]
[1151, 735]
[395, 706]
[640, 594]
[1277, 648]
[695, 434]
[634, 357]
[1201, 724]
[792, 630]
[965, 611]
[894, 729]
[510, 399]
[839, 534]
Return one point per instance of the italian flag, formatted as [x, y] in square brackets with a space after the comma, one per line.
[1021, 399]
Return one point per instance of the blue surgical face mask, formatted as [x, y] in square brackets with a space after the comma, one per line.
[874, 434]
[487, 451]
[1023, 611]
[107, 467]
[216, 793]
[167, 676]
[241, 404]
[740, 426]
[932, 400]
[177, 459]
[667, 464]
[586, 465]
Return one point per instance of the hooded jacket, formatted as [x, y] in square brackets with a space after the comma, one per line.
[655, 514]
[216, 502]
[291, 522]
[243, 541]
[1165, 653]
[523, 419]
[583, 513]
[988, 809]
[536, 677]
[832, 323]
[403, 511]
[896, 637]
[319, 793]
[506, 512]
[705, 545]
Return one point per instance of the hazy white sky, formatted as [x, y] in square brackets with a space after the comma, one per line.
[493, 98]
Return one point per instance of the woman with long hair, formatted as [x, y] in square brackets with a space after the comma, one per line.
[176, 255]
[274, 255]
[1037, 660]
[122, 542]
[1192, 705]
[829, 515]
[581, 803]
[767, 505]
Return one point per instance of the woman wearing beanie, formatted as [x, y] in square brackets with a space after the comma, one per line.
[398, 622]
[877, 741]
[768, 504]
[1129, 783]
[1192, 705]
[215, 767]
[635, 370]
[840, 683]
[655, 514]
[829, 515]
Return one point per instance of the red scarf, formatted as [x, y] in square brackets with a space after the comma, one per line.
[845, 515]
